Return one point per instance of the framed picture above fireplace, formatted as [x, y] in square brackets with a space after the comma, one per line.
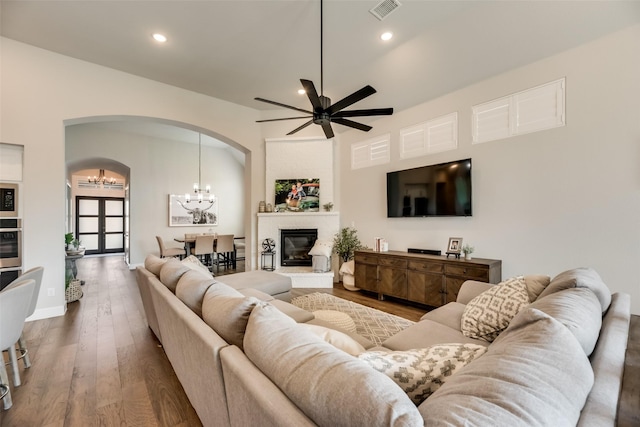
[297, 195]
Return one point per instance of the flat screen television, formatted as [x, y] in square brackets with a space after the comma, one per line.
[435, 190]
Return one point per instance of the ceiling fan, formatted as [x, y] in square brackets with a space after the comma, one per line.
[324, 112]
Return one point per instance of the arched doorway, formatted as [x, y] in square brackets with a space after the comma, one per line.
[97, 205]
[162, 157]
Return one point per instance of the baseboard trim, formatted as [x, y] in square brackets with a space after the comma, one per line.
[46, 313]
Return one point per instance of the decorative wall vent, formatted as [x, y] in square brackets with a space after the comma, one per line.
[384, 8]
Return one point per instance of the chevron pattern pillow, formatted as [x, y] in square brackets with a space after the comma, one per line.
[422, 371]
[490, 313]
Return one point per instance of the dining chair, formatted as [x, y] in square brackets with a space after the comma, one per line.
[169, 252]
[14, 306]
[203, 248]
[36, 275]
[224, 250]
[239, 248]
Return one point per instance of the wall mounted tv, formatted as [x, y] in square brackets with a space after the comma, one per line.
[436, 190]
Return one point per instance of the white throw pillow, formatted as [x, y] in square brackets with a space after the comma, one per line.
[336, 338]
[489, 313]
[422, 371]
[322, 248]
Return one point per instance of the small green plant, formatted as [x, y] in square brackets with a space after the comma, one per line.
[328, 206]
[467, 249]
[345, 242]
[68, 239]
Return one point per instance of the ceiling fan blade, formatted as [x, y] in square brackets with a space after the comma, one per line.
[328, 132]
[284, 118]
[310, 89]
[279, 104]
[351, 99]
[300, 127]
[352, 124]
[361, 113]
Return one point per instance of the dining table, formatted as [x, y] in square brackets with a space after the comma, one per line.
[190, 240]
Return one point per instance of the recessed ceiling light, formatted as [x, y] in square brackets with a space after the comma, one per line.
[386, 36]
[301, 92]
[159, 37]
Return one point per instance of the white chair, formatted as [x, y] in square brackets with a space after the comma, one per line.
[204, 248]
[14, 305]
[224, 250]
[169, 252]
[36, 275]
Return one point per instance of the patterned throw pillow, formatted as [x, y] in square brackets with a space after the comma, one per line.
[490, 313]
[421, 372]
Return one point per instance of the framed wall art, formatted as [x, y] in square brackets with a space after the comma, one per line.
[183, 213]
[297, 195]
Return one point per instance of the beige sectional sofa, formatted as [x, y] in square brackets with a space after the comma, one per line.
[246, 358]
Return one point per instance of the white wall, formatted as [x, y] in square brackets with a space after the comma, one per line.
[293, 158]
[543, 202]
[41, 91]
[159, 168]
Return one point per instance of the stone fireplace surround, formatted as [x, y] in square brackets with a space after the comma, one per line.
[327, 223]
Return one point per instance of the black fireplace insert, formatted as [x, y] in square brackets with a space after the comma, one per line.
[295, 246]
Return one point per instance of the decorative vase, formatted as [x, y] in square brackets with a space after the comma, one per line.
[262, 206]
[467, 256]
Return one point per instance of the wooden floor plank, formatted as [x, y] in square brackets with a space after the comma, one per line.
[100, 364]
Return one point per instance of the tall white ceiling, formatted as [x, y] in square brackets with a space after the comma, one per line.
[237, 50]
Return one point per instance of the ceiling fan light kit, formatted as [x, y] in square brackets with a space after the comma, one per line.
[324, 112]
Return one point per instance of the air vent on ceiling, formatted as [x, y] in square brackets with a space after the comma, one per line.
[384, 8]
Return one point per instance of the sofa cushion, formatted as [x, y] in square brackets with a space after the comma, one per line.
[580, 278]
[171, 272]
[426, 333]
[265, 281]
[226, 311]
[296, 313]
[579, 310]
[534, 373]
[336, 338]
[191, 289]
[195, 264]
[422, 371]
[489, 313]
[328, 385]
[154, 263]
[449, 315]
[536, 283]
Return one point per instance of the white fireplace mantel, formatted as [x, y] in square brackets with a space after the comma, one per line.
[270, 224]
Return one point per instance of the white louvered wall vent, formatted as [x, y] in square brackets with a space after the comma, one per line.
[434, 136]
[384, 8]
[117, 186]
[531, 110]
[375, 151]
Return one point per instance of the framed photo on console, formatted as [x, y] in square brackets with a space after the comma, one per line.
[455, 246]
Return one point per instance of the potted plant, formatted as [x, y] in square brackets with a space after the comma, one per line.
[68, 240]
[467, 250]
[328, 206]
[345, 242]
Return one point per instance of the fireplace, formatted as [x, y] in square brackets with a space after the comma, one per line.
[295, 245]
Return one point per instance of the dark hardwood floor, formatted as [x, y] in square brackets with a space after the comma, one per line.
[100, 365]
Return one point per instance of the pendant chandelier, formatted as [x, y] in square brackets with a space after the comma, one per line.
[101, 179]
[198, 191]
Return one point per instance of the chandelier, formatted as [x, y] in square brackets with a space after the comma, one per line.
[101, 179]
[198, 191]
